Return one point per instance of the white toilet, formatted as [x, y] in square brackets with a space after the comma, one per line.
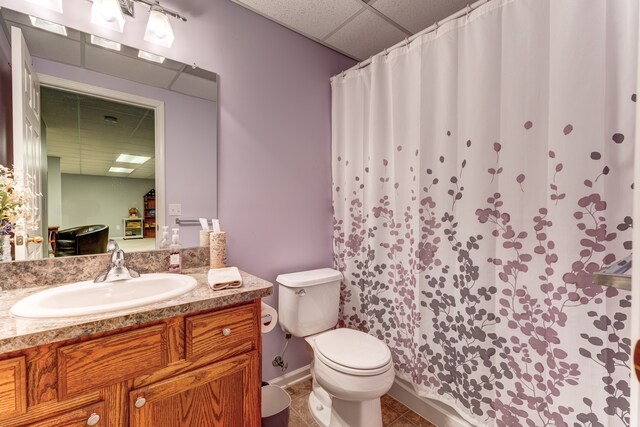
[351, 370]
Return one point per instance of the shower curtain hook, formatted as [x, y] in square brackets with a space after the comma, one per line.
[386, 52]
[344, 74]
[468, 11]
[436, 27]
[406, 41]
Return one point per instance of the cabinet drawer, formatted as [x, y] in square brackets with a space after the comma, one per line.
[13, 388]
[222, 334]
[75, 418]
[103, 361]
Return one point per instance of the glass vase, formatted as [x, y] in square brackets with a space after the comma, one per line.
[5, 248]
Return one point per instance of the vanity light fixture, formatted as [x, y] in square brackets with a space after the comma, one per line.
[110, 14]
[55, 5]
[107, 13]
[107, 44]
[48, 26]
[116, 169]
[159, 29]
[129, 158]
[151, 56]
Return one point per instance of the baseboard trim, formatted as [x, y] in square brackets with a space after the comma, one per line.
[292, 377]
[440, 414]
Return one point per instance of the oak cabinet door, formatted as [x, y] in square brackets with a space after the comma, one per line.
[226, 394]
[92, 415]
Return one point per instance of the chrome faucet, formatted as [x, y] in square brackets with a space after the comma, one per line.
[117, 269]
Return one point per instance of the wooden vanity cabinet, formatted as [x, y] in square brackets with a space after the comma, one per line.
[219, 394]
[200, 369]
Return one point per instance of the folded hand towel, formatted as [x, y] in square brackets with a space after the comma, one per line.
[224, 278]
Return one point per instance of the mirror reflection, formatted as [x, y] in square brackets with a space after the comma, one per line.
[100, 173]
[102, 163]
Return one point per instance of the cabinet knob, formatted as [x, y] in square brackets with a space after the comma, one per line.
[93, 419]
[140, 402]
[226, 332]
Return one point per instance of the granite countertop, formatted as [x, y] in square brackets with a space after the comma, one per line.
[19, 333]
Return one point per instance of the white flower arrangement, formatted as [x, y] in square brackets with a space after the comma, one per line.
[16, 205]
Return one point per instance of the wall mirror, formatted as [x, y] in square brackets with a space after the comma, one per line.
[122, 138]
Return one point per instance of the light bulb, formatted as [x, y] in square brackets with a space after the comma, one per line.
[159, 29]
[107, 13]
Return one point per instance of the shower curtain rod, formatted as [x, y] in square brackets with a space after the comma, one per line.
[466, 11]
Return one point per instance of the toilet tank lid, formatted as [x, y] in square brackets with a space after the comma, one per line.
[309, 278]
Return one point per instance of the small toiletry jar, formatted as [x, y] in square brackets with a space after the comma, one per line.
[218, 249]
[205, 239]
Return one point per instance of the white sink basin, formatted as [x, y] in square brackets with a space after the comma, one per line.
[83, 298]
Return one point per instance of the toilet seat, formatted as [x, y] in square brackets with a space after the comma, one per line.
[353, 352]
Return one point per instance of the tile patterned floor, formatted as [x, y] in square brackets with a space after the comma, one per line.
[394, 413]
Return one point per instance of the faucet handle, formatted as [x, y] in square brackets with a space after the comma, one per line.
[117, 258]
[112, 246]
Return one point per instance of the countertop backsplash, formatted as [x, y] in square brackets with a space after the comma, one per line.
[52, 271]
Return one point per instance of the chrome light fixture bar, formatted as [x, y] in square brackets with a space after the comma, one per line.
[127, 8]
[110, 14]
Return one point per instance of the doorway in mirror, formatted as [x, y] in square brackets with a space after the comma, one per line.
[101, 168]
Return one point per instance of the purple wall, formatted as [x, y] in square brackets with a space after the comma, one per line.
[274, 174]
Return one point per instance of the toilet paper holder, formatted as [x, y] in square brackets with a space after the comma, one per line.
[268, 318]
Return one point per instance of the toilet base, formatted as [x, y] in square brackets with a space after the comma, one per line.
[320, 410]
[333, 412]
[365, 413]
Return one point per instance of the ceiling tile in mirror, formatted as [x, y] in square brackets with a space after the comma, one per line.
[114, 64]
[65, 49]
[195, 86]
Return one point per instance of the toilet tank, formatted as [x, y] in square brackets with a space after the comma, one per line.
[308, 301]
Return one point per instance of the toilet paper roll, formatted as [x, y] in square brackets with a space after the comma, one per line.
[269, 317]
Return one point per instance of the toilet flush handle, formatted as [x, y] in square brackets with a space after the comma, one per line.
[301, 293]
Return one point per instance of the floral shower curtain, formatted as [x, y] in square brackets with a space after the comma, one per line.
[480, 177]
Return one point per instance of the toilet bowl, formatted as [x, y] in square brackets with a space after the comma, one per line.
[351, 370]
[355, 369]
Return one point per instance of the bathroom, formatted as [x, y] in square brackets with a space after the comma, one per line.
[433, 169]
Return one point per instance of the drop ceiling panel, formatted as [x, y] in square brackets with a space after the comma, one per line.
[114, 64]
[365, 35]
[86, 143]
[64, 49]
[196, 86]
[416, 15]
[340, 24]
[314, 18]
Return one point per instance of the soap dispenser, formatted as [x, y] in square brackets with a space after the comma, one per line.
[164, 243]
[175, 258]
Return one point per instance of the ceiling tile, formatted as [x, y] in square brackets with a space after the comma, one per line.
[85, 142]
[121, 66]
[366, 35]
[64, 49]
[416, 15]
[314, 18]
[196, 86]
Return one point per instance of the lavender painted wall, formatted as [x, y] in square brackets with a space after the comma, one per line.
[274, 174]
